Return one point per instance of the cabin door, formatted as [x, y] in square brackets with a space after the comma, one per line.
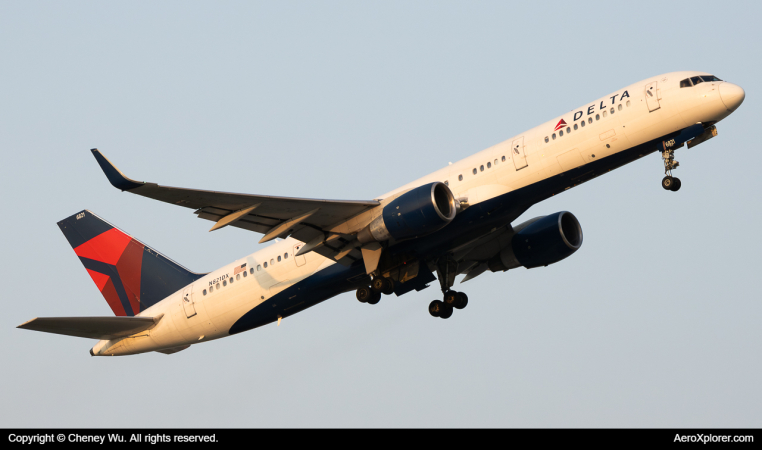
[188, 306]
[300, 260]
[652, 97]
[517, 153]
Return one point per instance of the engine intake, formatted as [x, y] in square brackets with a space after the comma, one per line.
[415, 213]
[540, 242]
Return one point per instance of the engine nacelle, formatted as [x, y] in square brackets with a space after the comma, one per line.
[415, 213]
[540, 242]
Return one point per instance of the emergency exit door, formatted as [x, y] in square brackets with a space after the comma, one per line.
[652, 97]
[517, 153]
[188, 306]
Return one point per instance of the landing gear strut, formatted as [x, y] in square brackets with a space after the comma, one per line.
[446, 271]
[669, 182]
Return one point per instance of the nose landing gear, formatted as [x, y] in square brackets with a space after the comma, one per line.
[669, 182]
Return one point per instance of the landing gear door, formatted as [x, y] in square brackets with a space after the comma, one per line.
[187, 299]
[652, 97]
[517, 153]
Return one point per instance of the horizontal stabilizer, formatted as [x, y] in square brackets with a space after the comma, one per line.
[92, 327]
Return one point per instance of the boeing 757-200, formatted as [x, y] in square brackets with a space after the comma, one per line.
[457, 220]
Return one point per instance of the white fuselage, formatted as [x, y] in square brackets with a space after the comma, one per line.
[208, 308]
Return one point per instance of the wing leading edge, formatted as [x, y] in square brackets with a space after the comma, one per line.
[276, 217]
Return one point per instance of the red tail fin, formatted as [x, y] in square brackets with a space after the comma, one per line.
[130, 275]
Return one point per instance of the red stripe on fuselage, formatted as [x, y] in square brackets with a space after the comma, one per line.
[107, 247]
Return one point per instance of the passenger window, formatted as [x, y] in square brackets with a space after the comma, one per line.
[272, 261]
[696, 80]
[612, 110]
[238, 277]
[285, 256]
[204, 291]
[251, 271]
[265, 264]
[553, 136]
[447, 183]
[568, 130]
[604, 113]
[503, 158]
[489, 165]
[582, 123]
[481, 168]
[496, 160]
[218, 286]
[619, 107]
[597, 117]
[245, 274]
[224, 282]
[628, 103]
[211, 288]
[546, 139]
[575, 126]
[460, 177]
[278, 258]
[560, 133]
[686, 83]
[474, 170]
[231, 280]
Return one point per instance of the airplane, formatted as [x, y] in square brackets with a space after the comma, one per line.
[455, 221]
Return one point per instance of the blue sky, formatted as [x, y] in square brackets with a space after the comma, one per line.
[654, 322]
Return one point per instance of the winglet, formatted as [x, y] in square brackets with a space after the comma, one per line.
[114, 175]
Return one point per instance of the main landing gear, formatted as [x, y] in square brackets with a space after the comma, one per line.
[452, 299]
[446, 271]
[372, 294]
[669, 182]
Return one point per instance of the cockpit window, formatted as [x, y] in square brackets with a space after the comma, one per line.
[696, 80]
[686, 83]
[710, 78]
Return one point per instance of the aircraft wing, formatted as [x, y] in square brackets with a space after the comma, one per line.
[308, 220]
[91, 327]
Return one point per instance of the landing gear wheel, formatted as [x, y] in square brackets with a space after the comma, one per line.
[668, 183]
[364, 294]
[462, 301]
[451, 298]
[377, 284]
[388, 288]
[436, 307]
[375, 298]
[676, 184]
[382, 284]
[446, 313]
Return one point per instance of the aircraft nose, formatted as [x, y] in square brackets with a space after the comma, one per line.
[732, 95]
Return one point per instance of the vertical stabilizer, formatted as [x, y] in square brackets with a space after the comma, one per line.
[130, 275]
